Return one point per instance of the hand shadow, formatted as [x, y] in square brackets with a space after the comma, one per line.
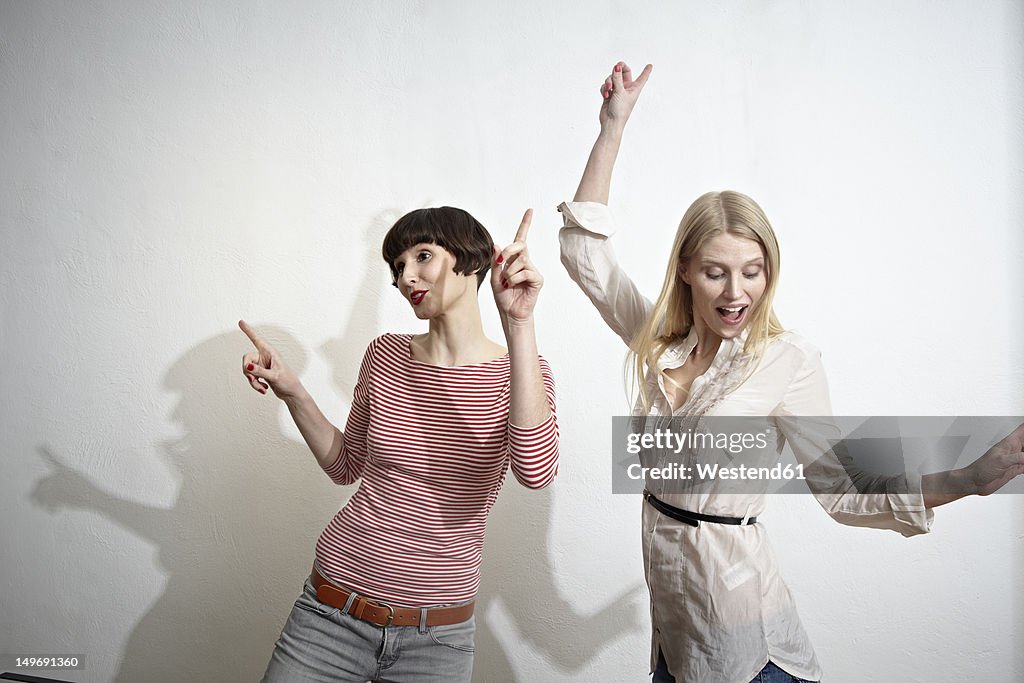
[238, 541]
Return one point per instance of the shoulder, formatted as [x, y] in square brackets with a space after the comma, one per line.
[795, 361]
[388, 346]
[390, 340]
[790, 355]
[793, 344]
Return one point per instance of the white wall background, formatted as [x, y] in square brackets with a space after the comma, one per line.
[171, 167]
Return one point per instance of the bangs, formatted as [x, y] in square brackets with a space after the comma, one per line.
[453, 229]
[415, 227]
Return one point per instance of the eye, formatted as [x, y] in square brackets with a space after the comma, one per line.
[715, 275]
[752, 276]
[423, 256]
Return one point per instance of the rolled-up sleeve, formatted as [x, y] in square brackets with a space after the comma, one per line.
[533, 451]
[588, 257]
[850, 495]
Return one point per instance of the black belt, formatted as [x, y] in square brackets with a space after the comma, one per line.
[692, 518]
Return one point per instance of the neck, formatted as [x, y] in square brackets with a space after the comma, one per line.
[708, 342]
[456, 338]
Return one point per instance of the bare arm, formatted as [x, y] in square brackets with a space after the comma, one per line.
[532, 428]
[620, 93]
[264, 368]
[516, 284]
[986, 475]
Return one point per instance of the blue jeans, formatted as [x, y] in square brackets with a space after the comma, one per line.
[320, 643]
[769, 674]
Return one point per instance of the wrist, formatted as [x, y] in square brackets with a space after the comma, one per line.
[297, 398]
[517, 326]
[962, 481]
[612, 131]
[939, 488]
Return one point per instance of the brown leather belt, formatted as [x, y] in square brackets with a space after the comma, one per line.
[381, 614]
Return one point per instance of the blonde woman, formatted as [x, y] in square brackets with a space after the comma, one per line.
[711, 345]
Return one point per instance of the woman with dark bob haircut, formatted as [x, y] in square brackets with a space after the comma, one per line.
[436, 421]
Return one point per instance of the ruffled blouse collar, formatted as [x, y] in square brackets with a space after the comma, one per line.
[726, 372]
[730, 350]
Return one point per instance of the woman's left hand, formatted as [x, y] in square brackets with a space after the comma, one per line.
[998, 465]
[514, 279]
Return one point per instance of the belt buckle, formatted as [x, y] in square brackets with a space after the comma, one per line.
[391, 615]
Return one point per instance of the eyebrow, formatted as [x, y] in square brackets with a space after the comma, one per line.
[417, 247]
[711, 262]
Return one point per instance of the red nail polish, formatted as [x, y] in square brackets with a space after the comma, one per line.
[504, 283]
[249, 367]
[501, 259]
[618, 67]
[263, 391]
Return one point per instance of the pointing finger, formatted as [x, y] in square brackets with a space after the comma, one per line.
[524, 226]
[644, 75]
[251, 334]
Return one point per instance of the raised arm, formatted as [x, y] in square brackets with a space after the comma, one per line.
[265, 369]
[620, 92]
[533, 432]
[586, 251]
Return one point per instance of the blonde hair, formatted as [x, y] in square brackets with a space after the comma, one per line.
[671, 318]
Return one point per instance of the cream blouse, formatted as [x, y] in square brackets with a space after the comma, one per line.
[719, 609]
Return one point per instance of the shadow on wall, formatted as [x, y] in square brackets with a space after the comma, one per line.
[520, 604]
[238, 543]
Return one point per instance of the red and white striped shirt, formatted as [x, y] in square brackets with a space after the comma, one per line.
[431, 445]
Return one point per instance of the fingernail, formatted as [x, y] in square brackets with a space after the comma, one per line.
[263, 391]
[618, 67]
[249, 367]
[504, 283]
[501, 259]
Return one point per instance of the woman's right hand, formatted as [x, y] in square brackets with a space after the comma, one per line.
[620, 92]
[264, 368]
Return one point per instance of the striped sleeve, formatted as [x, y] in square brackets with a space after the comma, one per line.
[533, 451]
[348, 466]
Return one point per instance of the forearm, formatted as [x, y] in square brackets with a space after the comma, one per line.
[940, 488]
[597, 176]
[532, 429]
[528, 402]
[323, 438]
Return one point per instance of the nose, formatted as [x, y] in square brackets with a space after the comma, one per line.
[733, 286]
[408, 276]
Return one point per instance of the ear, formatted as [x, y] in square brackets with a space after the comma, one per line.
[682, 272]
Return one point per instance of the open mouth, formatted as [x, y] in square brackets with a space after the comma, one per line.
[732, 315]
[417, 296]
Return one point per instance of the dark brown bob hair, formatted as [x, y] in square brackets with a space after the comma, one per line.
[448, 227]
